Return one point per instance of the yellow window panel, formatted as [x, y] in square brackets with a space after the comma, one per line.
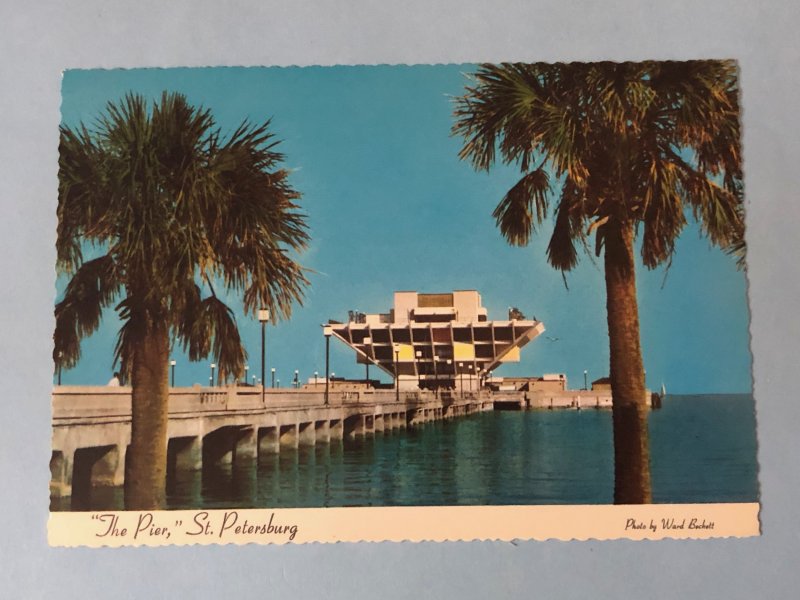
[406, 352]
[462, 351]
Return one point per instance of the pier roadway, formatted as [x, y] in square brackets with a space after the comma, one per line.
[91, 424]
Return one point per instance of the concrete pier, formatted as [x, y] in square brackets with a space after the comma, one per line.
[225, 425]
[212, 426]
[554, 399]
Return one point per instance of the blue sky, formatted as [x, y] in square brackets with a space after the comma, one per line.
[391, 207]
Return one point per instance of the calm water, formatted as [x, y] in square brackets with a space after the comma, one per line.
[703, 449]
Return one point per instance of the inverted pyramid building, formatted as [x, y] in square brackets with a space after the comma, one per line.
[434, 340]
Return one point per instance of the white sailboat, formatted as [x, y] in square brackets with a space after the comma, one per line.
[663, 390]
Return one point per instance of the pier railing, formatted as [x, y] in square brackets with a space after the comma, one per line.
[75, 402]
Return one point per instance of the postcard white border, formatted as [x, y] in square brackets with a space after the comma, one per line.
[399, 524]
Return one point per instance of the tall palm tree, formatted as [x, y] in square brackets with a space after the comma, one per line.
[172, 208]
[636, 148]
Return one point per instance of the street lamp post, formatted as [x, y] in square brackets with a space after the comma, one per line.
[315, 379]
[397, 372]
[211, 379]
[447, 370]
[367, 342]
[246, 374]
[296, 379]
[585, 379]
[470, 378]
[172, 364]
[417, 356]
[327, 330]
[263, 318]
[254, 381]
[272, 374]
[435, 376]
[461, 377]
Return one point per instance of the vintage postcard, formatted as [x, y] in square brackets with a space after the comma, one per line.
[451, 302]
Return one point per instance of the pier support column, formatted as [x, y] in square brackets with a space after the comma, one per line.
[288, 436]
[61, 472]
[218, 446]
[268, 442]
[379, 425]
[336, 429]
[109, 470]
[186, 453]
[354, 426]
[361, 425]
[306, 434]
[246, 446]
[322, 431]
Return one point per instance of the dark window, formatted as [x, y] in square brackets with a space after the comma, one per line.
[483, 351]
[441, 335]
[462, 334]
[422, 335]
[433, 318]
[380, 336]
[384, 353]
[502, 333]
[483, 334]
[401, 336]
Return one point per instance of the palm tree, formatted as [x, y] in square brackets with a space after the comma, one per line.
[171, 208]
[636, 148]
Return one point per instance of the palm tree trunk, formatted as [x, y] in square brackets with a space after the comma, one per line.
[631, 446]
[146, 476]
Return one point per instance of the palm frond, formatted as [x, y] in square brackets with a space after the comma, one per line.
[523, 207]
[663, 212]
[209, 327]
[93, 286]
[561, 251]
